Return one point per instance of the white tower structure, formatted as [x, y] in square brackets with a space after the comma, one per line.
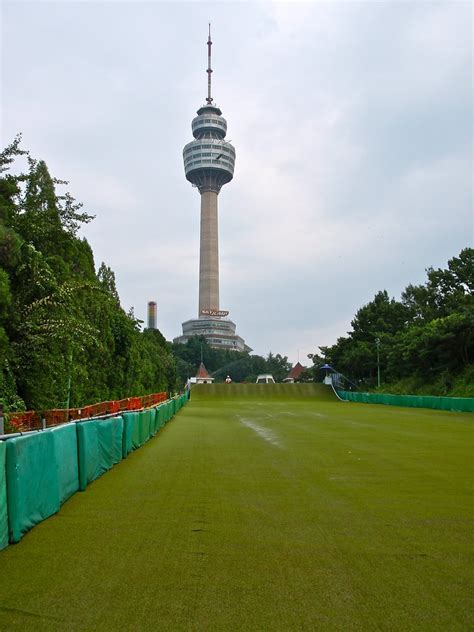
[209, 162]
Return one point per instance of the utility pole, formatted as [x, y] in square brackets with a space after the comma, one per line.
[68, 400]
[377, 343]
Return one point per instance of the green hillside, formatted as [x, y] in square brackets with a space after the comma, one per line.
[263, 392]
[257, 509]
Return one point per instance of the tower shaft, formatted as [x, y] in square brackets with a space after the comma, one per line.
[151, 315]
[209, 253]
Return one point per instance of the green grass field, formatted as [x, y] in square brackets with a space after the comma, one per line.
[262, 508]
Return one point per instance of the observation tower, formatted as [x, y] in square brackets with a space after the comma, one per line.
[209, 162]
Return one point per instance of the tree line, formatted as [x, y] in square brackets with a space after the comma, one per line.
[425, 340]
[240, 366]
[64, 338]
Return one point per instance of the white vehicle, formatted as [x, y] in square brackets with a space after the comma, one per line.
[265, 378]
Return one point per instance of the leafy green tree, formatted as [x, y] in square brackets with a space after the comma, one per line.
[427, 335]
[64, 338]
[106, 278]
[278, 366]
[445, 291]
[381, 316]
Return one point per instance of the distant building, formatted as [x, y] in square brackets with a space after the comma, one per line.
[295, 373]
[202, 376]
[218, 332]
[151, 315]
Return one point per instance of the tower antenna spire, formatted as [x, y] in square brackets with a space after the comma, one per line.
[209, 69]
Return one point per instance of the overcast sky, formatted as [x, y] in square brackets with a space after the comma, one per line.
[352, 123]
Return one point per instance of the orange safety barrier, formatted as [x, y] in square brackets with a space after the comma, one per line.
[22, 422]
[134, 403]
[55, 417]
[124, 404]
[32, 420]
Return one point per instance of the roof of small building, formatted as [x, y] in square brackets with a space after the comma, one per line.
[202, 371]
[296, 371]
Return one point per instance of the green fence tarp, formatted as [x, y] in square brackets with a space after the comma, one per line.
[153, 422]
[137, 433]
[139, 427]
[457, 404]
[144, 426]
[32, 481]
[130, 421]
[65, 449]
[3, 498]
[99, 445]
[118, 439]
[88, 453]
[156, 420]
[160, 419]
[167, 410]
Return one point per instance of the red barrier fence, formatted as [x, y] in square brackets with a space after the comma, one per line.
[32, 420]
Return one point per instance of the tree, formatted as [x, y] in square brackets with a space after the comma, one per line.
[63, 335]
[278, 366]
[426, 335]
[381, 316]
[106, 278]
[445, 291]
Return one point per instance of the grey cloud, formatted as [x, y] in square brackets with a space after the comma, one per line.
[352, 125]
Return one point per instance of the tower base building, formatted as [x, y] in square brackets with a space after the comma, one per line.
[218, 332]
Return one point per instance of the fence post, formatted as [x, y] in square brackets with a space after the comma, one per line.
[2, 423]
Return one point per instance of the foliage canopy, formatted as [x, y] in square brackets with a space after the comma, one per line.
[426, 338]
[64, 338]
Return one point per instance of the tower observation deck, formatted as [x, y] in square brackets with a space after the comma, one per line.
[209, 162]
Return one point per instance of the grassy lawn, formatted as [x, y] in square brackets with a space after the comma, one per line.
[262, 508]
